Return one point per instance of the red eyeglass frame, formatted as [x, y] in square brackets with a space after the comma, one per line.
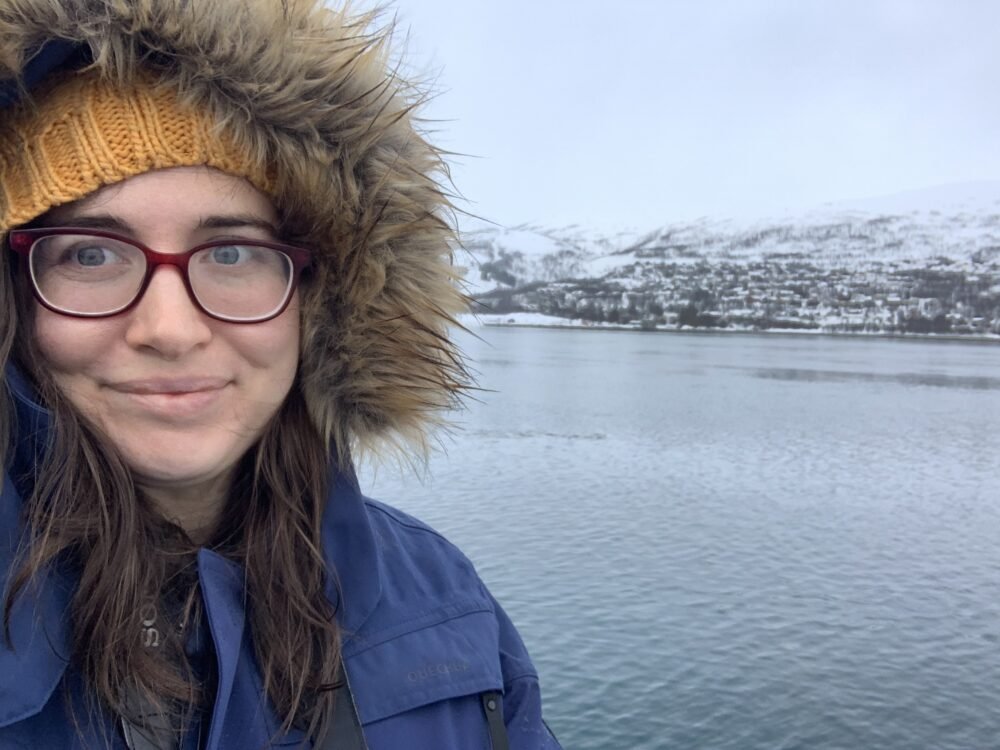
[21, 241]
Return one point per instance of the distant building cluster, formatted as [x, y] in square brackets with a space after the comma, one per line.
[877, 297]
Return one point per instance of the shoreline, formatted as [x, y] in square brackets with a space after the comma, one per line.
[984, 339]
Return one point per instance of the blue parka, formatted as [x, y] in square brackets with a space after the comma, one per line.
[423, 638]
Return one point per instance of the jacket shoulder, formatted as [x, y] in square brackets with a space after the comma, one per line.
[405, 539]
[424, 576]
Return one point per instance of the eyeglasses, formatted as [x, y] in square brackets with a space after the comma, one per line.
[93, 274]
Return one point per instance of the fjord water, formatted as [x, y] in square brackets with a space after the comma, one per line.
[735, 541]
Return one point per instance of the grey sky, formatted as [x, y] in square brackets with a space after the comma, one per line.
[641, 112]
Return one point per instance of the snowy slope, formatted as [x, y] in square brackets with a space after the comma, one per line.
[955, 225]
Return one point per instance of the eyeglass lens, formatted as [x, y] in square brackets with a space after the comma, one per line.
[89, 275]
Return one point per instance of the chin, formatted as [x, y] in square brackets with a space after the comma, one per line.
[183, 466]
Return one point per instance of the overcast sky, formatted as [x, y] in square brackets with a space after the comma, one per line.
[642, 112]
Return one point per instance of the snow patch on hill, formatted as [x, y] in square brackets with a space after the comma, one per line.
[954, 224]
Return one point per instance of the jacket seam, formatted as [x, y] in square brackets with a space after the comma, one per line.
[402, 631]
[509, 683]
[395, 705]
[415, 526]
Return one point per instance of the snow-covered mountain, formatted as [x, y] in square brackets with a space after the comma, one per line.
[960, 223]
[941, 243]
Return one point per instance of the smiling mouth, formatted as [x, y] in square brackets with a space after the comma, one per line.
[170, 386]
[174, 399]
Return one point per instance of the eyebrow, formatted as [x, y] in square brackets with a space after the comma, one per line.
[237, 221]
[114, 224]
[87, 222]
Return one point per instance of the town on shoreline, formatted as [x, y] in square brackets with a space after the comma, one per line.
[535, 320]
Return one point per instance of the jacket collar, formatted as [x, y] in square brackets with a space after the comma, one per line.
[39, 626]
[354, 585]
[30, 432]
[32, 664]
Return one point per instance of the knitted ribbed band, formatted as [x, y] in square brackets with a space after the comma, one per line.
[84, 133]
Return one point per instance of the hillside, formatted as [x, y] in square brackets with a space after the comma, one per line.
[922, 261]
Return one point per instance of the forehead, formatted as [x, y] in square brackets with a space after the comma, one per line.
[171, 197]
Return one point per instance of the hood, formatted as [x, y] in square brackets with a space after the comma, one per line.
[313, 94]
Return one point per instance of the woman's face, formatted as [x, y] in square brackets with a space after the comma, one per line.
[181, 395]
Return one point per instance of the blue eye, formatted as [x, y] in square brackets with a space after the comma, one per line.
[228, 255]
[93, 256]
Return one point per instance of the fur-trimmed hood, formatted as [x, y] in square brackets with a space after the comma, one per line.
[311, 93]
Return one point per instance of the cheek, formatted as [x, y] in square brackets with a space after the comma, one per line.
[70, 345]
[271, 347]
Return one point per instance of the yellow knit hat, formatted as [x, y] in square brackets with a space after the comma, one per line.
[84, 133]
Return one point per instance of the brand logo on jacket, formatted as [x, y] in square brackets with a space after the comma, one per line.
[150, 635]
[441, 669]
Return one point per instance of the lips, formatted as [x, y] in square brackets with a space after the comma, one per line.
[172, 398]
[169, 386]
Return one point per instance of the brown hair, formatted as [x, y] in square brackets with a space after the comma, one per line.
[85, 512]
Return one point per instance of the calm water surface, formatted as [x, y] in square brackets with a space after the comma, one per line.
[735, 541]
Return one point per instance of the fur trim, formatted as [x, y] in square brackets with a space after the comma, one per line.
[310, 92]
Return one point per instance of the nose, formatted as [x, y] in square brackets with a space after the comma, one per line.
[166, 319]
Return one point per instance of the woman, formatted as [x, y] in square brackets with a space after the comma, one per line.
[227, 270]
